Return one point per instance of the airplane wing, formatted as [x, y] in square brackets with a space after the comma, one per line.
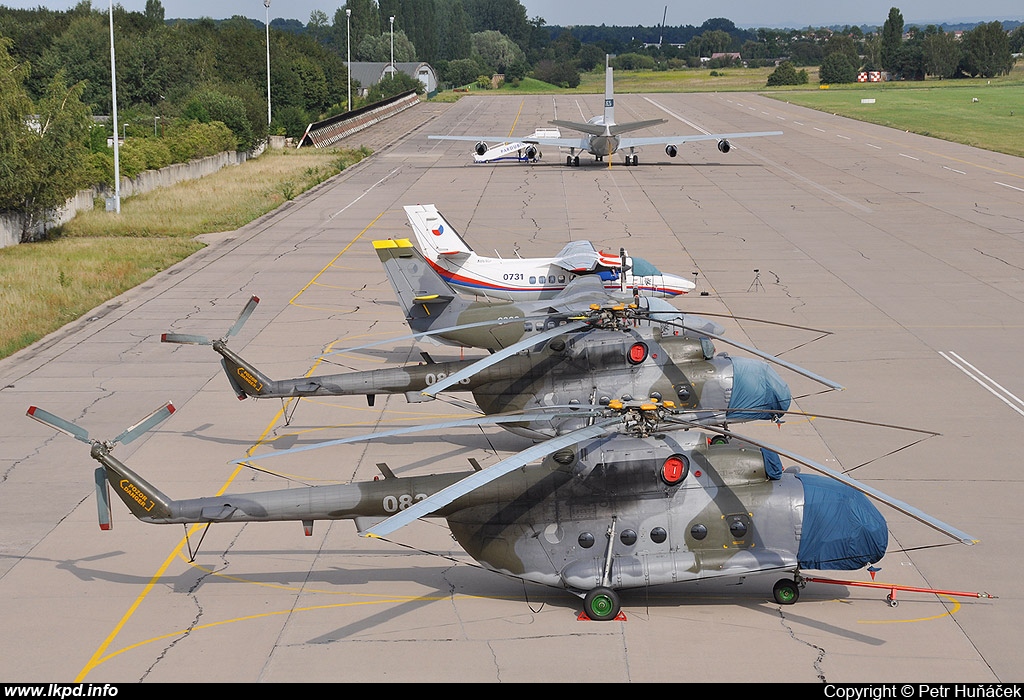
[577, 143]
[631, 141]
[581, 256]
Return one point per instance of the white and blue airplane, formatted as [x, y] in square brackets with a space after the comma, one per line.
[603, 137]
[521, 279]
[517, 151]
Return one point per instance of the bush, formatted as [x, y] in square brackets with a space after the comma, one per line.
[787, 74]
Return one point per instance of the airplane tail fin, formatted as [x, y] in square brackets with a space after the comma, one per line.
[422, 293]
[435, 235]
[144, 501]
[609, 93]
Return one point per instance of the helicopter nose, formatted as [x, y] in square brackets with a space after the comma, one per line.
[756, 385]
[842, 529]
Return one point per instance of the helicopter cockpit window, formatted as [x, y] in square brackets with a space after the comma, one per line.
[708, 347]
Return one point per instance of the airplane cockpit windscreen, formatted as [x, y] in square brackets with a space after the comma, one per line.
[642, 268]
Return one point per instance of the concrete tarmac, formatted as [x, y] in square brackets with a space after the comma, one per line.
[908, 252]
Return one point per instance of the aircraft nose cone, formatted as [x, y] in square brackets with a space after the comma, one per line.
[842, 529]
[756, 385]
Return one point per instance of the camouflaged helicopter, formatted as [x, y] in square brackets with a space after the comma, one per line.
[572, 355]
[627, 501]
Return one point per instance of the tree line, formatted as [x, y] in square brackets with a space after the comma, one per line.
[186, 87]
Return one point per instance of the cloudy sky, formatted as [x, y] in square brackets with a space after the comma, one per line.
[745, 13]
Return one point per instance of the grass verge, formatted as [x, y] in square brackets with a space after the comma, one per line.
[98, 255]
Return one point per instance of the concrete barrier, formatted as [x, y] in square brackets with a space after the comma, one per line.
[15, 228]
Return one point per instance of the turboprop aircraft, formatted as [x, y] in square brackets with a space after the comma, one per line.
[627, 501]
[604, 137]
[515, 151]
[533, 278]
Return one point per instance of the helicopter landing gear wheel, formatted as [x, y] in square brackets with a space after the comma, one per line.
[601, 604]
[785, 592]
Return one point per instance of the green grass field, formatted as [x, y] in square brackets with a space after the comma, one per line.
[944, 109]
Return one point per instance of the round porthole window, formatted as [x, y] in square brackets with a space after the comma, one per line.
[628, 537]
[586, 540]
[698, 532]
[659, 535]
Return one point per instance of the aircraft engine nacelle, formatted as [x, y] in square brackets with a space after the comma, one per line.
[671, 151]
[480, 148]
[532, 153]
[724, 146]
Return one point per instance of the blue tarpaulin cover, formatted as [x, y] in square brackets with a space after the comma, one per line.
[842, 529]
[756, 384]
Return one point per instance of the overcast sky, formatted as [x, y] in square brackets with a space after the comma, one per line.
[648, 13]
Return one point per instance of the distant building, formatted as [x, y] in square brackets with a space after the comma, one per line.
[371, 73]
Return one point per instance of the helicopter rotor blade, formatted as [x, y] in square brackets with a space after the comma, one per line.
[58, 423]
[438, 331]
[185, 339]
[766, 356]
[552, 412]
[154, 418]
[250, 306]
[477, 479]
[497, 357]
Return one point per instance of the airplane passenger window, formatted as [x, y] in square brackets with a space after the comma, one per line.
[533, 280]
[551, 279]
[561, 279]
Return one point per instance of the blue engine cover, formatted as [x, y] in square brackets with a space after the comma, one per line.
[756, 384]
[842, 529]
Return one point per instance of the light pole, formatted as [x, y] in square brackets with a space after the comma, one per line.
[348, 48]
[266, 4]
[113, 98]
[392, 46]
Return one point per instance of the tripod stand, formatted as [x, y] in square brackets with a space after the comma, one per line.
[756, 284]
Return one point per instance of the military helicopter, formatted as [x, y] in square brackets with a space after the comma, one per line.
[626, 501]
[579, 359]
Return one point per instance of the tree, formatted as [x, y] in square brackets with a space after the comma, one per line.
[786, 74]
[497, 50]
[378, 48]
[836, 68]
[844, 44]
[986, 51]
[941, 54]
[16, 110]
[892, 37]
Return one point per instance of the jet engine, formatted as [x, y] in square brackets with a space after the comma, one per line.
[481, 148]
[532, 153]
[671, 151]
[724, 146]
